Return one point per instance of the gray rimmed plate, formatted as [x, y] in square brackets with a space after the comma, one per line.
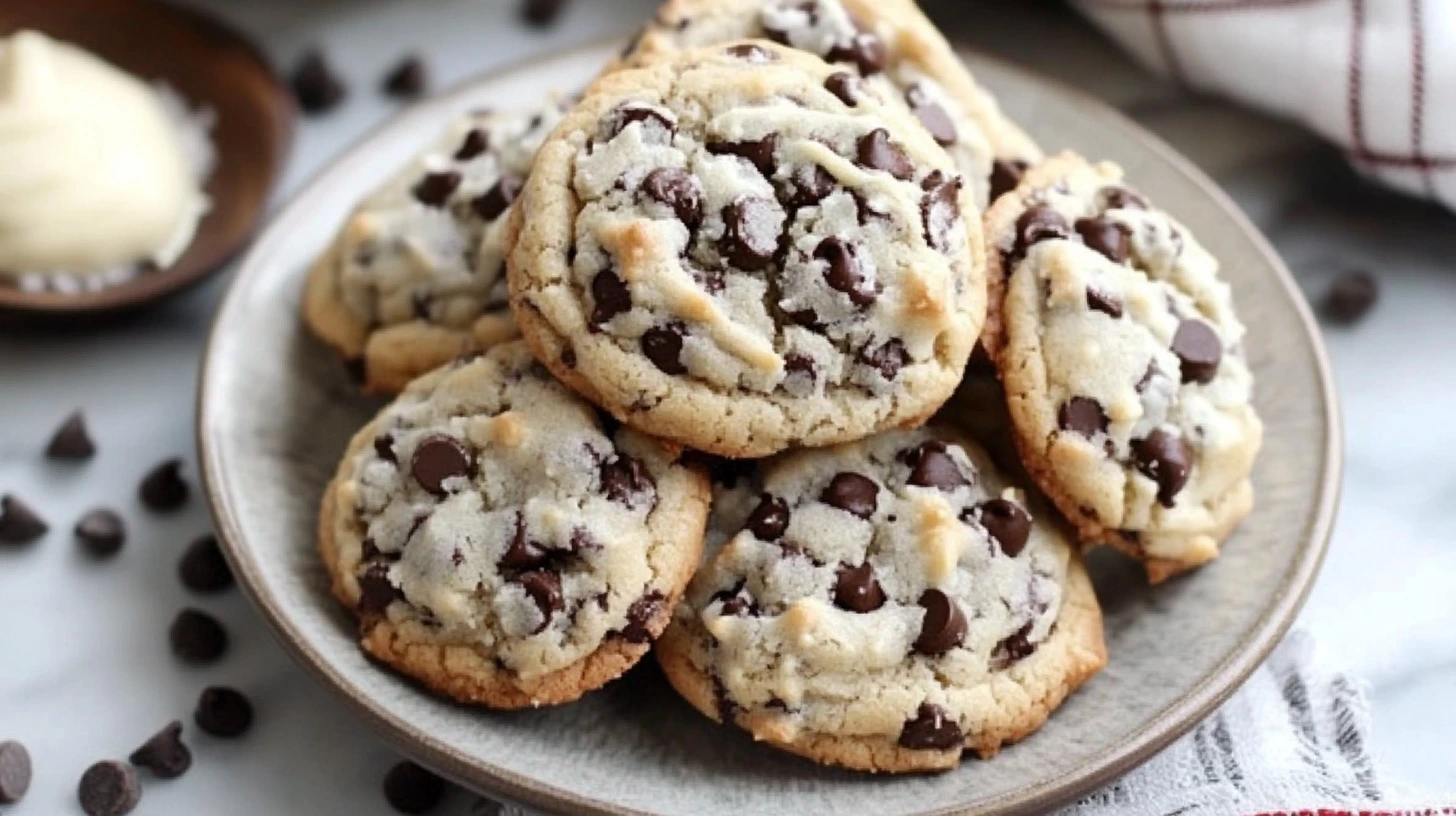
[275, 412]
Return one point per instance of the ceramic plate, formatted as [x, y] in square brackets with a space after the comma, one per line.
[276, 411]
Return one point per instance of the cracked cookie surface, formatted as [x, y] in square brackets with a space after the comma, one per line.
[743, 248]
[888, 42]
[884, 605]
[1124, 366]
[416, 277]
[500, 543]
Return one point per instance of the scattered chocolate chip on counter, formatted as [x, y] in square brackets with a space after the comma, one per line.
[71, 442]
[407, 80]
[197, 637]
[315, 84]
[15, 772]
[109, 788]
[101, 532]
[163, 488]
[203, 568]
[19, 524]
[541, 13]
[410, 788]
[165, 755]
[223, 712]
[1350, 297]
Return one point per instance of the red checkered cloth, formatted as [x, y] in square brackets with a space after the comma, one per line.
[1378, 77]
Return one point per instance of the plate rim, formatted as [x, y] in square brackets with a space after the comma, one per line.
[1168, 725]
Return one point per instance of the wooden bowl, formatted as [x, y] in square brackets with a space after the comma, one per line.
[210, 65]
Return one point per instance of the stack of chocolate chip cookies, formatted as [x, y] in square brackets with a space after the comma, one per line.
[681, 365]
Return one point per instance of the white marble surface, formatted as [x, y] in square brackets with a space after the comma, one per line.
[85, 671]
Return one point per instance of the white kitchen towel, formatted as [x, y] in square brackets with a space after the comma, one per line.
[1290, 742]
[1377, 77]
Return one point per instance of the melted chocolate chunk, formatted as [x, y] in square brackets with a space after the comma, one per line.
[663, 346]
[1165, 457]
[1082, 415]
[888, 359]
[843, 273]
[806, 186]
[610, 297]
[544, 587]
[856, 589]
[384, 447]
[750, 233]
[677, 189]
[876, 151]
[523, 553]
[750, 53]
[493, 203]
[737, 603]
[1121, 198]
[944, 625]
[376, 591]
[434, 189]
[932, 115]
[759, 153]
[648, 115]
[437, 459]
[940, 209]
[846, 86]
[933, 729]
[476, 142]
[1005, 175]
[1105, 302]
[867, 51]
[1008, 524]
[1036, 225]
[1199, 351]
[769, 519]
[1014, 648]
[640, 616]
[853, 493]
[931, 465]
[625, 480]
[1105, 236]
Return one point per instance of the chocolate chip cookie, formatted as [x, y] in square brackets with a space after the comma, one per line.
[887, 43]
[743, 248]
[1123, 362]
[887, 604]
[503, 544]
[417, 275]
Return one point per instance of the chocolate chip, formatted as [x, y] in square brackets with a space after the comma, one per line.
[1121, 198]
[1105, 302]
[843, 273]
[101, 532]
[610, 297]
[71, 441]
[109, 788]
[856, 589]
[197, 637]
[806, 185]
[640, 616]
[1082, 415]
[876, 151]
[315, 84]
[933, 729]
[629, 112]
[15, 772]
[223, 712]
[846, 86]
[410, 788]
[727, 709]
[544, 587]
[165, 755]
[1147, 378]
[203, 568]
[384, 447]
[1165, 457]
[568, 358]
[758, 152]
[931, 465]
[1015, 647]
[1036, 225]
[492, 204]
[162, 489]
[1349, 297]
[376, 591]
[808, 318]
[663, 346]
[1105, 236]
[932, 116]
[19, 524]
[800, 365]
[523, 553]
[434, 189]
[624, 478]
[1008, 524]
[1005, 175]
[407, 80]
[750, 52]
[750, 233]
[1199, 351]
[737, 603]
[940, 209]
[475, 143]
[677, 189]
[887, 359]
[769, 519]
[944, 625]
[867, 51]
[439, 458]
[853, 493]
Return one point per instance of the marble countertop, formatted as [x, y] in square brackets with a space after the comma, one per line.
[85, 671]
